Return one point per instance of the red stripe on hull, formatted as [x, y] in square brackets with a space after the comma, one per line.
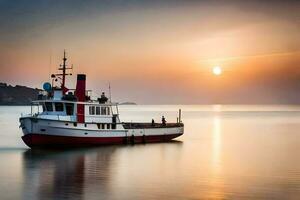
[39, 140]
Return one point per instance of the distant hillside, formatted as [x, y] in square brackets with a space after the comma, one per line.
[127, 103]
[18, 95]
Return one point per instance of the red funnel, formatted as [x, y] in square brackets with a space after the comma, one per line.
[80, 94]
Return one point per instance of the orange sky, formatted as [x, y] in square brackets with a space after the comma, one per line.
[158, 52]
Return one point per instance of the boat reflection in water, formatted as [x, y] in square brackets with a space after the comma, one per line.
[56, 175]
[77, 174]
[239, 152]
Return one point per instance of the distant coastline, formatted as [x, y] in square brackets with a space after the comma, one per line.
[22, 95]
[127, 103]
[17, 95]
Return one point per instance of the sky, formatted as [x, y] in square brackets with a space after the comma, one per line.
[158, 52]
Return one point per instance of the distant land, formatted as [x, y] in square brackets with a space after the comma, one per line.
[22, 95]
[17, 95]
[127, 103]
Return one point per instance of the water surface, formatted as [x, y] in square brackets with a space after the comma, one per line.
[227, 152]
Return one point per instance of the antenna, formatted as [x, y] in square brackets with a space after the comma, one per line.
[109, 91]
[50, 65]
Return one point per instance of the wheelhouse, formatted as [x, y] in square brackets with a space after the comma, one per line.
[67, 110]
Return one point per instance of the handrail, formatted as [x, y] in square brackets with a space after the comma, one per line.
[37, 102]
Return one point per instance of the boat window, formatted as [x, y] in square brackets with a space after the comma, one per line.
[105, 111]
[98, 110]
[102, 126]
[69, 108]
[49, 106]
[108, 126]
[92, 110]
[59, 107]
[44, 108]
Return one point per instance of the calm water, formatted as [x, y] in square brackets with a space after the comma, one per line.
[227, 152]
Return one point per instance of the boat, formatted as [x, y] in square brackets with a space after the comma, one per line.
[65, 117]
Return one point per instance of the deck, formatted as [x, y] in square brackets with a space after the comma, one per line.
[135, 125]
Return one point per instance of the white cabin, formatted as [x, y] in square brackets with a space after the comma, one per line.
[106, 115]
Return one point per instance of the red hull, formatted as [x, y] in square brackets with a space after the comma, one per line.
[39, 140]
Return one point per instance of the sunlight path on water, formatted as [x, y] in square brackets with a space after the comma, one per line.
[226, 152]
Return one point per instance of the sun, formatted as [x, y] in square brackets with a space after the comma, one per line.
[217, 70]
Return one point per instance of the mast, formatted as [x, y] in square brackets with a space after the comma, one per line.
[63, 75]
[64, 71]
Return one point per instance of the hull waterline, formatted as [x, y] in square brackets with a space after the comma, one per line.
[49, 141]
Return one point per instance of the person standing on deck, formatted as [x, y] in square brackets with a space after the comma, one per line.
[163, 120]
[103, 98]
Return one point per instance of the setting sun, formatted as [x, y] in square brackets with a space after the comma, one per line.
[217, 70]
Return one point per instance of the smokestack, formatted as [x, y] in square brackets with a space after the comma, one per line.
[80, 94]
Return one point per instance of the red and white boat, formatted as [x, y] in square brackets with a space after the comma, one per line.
[73, 119]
